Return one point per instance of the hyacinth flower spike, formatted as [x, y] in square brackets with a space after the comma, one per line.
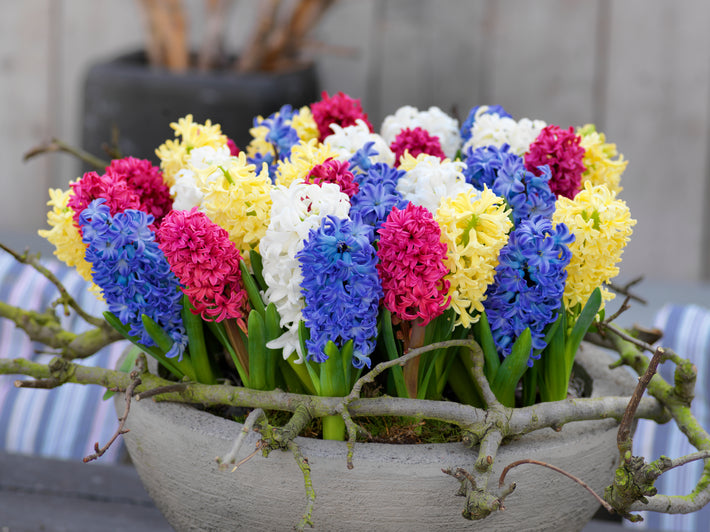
[342, 293]
[412, 270]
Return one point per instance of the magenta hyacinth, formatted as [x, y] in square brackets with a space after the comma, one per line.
[559, 149]
[206, 262]
[412, 264]
[416, 141]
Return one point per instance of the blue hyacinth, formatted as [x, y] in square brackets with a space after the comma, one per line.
[377, 195]
[527, 195]
[132, 272]
[528, 284]
[341, 288]
[484, 163]
[361, 161]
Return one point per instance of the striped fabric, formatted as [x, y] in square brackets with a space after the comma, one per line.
[686, 331]
[67, 421]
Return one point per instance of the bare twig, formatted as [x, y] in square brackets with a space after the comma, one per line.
[501, 480]
[135, 381]
[249, 422]
[170, 388]
[55, 145]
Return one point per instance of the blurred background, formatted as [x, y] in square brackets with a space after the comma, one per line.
[638, 69]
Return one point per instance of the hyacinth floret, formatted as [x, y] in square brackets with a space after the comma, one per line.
[559, 149]
[361, 161]
[529, 282]
[341, 288]
[412, 264]
[207, 264]
[526, 193]
[604, 164]
[132, 272]
[116, 192]
[347, 141]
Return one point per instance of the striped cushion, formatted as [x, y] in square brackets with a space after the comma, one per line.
[687, 331]
[64, 422]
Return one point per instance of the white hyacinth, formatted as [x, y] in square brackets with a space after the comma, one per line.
[348, 140]
[492, 129]
[434, 121]
[295, 210]
[429, 179]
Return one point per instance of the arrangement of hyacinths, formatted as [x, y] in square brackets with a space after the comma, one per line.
[323, 247]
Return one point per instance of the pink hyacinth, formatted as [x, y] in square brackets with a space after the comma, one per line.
[339, 109]
[334, 171]
[416, 141]
[117, 192]
[411, 264]
[147, 181]
[561, 150]
[207, 264]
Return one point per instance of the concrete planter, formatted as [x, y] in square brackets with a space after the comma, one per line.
[141, 102]
[392, 487]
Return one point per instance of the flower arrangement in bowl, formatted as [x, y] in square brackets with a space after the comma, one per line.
[450, 270]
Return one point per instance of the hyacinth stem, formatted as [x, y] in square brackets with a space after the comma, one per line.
[334, 428]
[411, 367]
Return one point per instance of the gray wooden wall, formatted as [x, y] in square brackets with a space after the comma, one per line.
[639, 69]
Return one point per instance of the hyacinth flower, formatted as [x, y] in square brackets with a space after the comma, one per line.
[428, 180]
[338, 109]
[207, 265]
[143, 296]
[474, 227]
[295, 211]
[416, 141]
[602, 162]
[377, 195]
[347, 141]
[496, 130]
[476, 112]
[304, 156]
[272, 139]
[434, 121]
[413, 273]
[342, 292]
[334, 171]
[527, 194]
[238, 199]
[174, 154]
[524, 299]
[560, 150]
[483, 164]
[602, 226]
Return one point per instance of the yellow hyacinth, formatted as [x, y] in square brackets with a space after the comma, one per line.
[65, 236]
[601, 224]
[239, 202]
[304, 156]
[304, 124]
[604, 165]
[474, 228]
[174, 154]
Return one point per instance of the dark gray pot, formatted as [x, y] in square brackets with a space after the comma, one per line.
[141, 101]
[392, 487]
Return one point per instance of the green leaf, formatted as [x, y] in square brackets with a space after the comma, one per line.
[196, 344]
[219, 332]
[252, 289]
[553, 377]
[256, 350]
[484, 336]
[512, 369]
[258, 267]
[584, 320]
[272, 330]
[332, 375]
[313, 369]
[392, 353]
